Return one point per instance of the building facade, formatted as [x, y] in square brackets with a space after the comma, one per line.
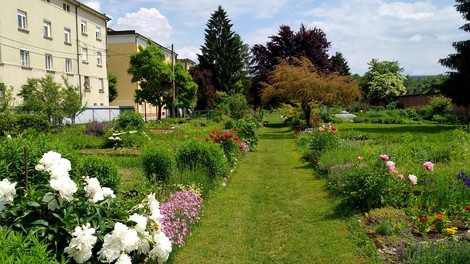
[62, 38]
[121, 45]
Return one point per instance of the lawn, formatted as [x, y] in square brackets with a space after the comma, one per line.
[273, 210]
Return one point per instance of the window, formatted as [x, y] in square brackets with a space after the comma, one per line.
[24, 58]
[101, 82]
[84, 55]
[68, 65]
[66, 7]
[83, 27]
[98, 33]
[47, 29]
[22, 21]
[67, 36]
[86, 83]
[48, 62]
[98, 58]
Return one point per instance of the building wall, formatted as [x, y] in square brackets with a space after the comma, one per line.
[32, 39]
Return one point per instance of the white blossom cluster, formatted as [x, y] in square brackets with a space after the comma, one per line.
[7, 191]
[58, 168]
[94, 191]
[145, 237]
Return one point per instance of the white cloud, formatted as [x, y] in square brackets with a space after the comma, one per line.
[148, 22]
[189, 52]
[95, 4]
[415, 34]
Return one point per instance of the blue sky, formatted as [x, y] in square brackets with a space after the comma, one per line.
[415, 33]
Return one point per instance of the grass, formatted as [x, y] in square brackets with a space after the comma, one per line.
[273, 210]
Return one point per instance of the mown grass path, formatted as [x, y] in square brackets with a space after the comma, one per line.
[273, 210]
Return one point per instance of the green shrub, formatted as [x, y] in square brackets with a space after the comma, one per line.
[317, 142]
[441, 105]
[371, 187]
[159, 164]
[229, 124]
[103, 168]
[199, 154]
[7, 124]
[130, 120]
[247, 131]
[237, 106]
[39, 122]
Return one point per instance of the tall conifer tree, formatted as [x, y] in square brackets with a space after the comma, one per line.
[221, 53]
[457, 86]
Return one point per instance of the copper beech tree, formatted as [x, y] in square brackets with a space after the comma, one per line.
[298, 81]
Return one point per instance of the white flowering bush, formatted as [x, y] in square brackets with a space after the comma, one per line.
[84, 221]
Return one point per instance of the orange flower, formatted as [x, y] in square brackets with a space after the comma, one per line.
[439, 217]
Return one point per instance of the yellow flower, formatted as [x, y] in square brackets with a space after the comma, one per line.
[451, 230]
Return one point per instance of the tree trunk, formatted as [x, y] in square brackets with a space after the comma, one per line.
[159, 110]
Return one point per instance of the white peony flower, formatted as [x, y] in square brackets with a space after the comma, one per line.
[124, 259]
[51, 201]
[49, 158]
[65, 186]
[144, 245]
[141, 222]
[93, 190]
[122, 239]
[39, 167]
[7, 190]
[108, 192]
[8, 136]
[162, 247]
[153, 203]
[80, 247]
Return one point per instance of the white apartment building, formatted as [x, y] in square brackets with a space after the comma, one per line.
[63, 38]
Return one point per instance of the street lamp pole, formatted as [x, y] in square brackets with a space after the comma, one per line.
[173, 113]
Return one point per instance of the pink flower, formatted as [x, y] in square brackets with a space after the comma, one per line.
[390, 165]
[359, 158]
[413, 179]
[395, 172]
[429, 166]
[384, 157]
[400, 176]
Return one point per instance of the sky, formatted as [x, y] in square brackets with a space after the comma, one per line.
[415, 33]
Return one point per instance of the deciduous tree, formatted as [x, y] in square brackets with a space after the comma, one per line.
[206, 94]
[112, 87]
[299, 81]
[186, 88]
[309, 43]
[456, 87]
[154, 75]
[383, 81]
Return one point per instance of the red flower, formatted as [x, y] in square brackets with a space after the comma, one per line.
[228, 135]
[241, 146]
[207, 139]
[217, 139]
[467, 208]
[439, 217]
[198, 137]
[235, 129]
[424, 219]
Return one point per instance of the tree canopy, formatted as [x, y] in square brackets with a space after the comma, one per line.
[112, 87]
[383, 81]
[299, 81]
[206, 95]
[456, 87]
[44, 96]
[222, 53]
[186, 88]
[309, 43]
[340, 64]
[154, 75]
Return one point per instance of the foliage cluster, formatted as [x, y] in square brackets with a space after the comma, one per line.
[420, 187]
[101, 167]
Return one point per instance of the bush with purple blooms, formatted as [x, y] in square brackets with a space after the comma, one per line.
[97, 128]
[180, 213]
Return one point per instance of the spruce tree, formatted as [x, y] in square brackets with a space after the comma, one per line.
[221, 53]
[340, 64]
[457, 86]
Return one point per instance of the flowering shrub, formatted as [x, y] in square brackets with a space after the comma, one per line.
[229, 141]
[97, 128]
[246, 130]
[319, 140]
[126, 139]
[84, 221]
[181, 212]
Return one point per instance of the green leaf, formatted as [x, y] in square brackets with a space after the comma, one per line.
[40, 222]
